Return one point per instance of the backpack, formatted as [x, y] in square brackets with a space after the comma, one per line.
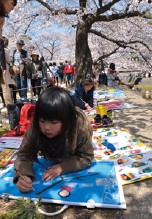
[20, 118]
[26, 116]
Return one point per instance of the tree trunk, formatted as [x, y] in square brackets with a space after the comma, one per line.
[83, 53]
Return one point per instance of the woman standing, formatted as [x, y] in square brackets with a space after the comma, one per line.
[37, 75]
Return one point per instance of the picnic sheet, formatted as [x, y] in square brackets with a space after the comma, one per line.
[10, 142]
[131, 156]
[96, 186]
[113, 93]
[111, 105]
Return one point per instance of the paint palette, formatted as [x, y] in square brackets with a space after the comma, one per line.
[6, 156]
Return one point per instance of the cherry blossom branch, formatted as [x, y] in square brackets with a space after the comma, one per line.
[107, 54]
[120, 43]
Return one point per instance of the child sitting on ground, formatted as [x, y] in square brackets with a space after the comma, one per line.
[84, 94]
[60, 132]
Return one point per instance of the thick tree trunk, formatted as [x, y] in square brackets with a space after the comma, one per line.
[83, 53]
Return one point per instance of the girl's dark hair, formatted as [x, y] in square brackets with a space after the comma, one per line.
[88, 81]
[15, 2]
[112, 66]
[53, 104]
[5, 41]
[2, 10]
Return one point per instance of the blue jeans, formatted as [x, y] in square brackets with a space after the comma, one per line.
[24, 85]
[18, 83]
[69, 78]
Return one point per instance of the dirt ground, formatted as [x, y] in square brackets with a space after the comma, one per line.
[137, 195]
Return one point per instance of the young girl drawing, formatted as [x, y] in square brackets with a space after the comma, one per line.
[84, 94]
[61, 132]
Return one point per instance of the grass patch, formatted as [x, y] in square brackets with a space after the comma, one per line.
[4, 128]
[23, 209]
[145, 87]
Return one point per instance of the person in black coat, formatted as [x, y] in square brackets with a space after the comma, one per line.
[84, 94]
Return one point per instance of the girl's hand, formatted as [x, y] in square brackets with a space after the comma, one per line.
[4, 72]
[24, 184]
[87, 106]
[52, 172]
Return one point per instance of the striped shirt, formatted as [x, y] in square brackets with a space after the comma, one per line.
[17, 58]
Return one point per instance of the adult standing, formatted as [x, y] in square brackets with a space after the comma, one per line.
[19, 56]
[8, 78]
[37, 74]
[61, 72]
[45, 81]
[69, 72]
[6, 6]
[55, 70]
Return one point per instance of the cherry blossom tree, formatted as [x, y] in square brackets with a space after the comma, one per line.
[132, 43]
[89, 13]
[90, 17]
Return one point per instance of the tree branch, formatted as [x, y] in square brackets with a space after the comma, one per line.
[120, 43]
[119, 16]
[108, 54]
[107, 7]
[57, 12]
[34, 16]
